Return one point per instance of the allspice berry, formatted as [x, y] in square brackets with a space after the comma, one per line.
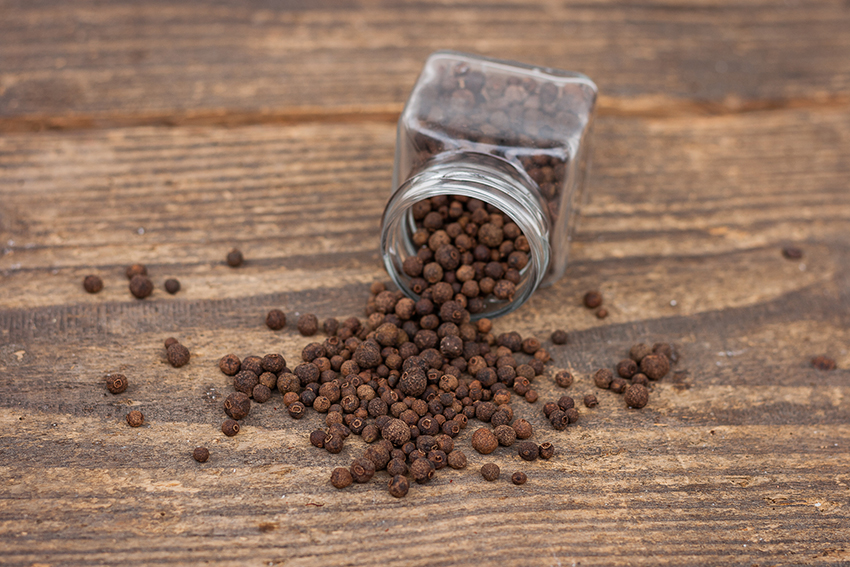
[308, 324]
[602, 378]
[655, 366]
[564, 379]
[135, 418]
[261, 393]
[398, 486]
[341, 477]
[490, 472]
[547, 451]
[396, 432]
[230, 427]
[92, 284]
[141, 286]
[116, 383]
[590, 401]
[592, 299]
[201, 454]
[523, 429]
[505, 435]
[636, 396]
[229, 364]
[421, 470]
[559, 337]
[178, 355]
[484, 441]
[136, 270]
[237, 405]
[362, 470]
[172, 285]
[627, 368]
[639, 351]
[519, 478]
[234, 258]
[824, 363]
[528, 450]
[276, 320]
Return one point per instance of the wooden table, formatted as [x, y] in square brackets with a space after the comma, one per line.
[167, 133]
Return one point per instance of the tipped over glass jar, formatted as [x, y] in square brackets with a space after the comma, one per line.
[489, 169]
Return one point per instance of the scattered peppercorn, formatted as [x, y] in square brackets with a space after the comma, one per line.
[141, 286]
[116, 383]
[590, 401]
[519, 478]
[528, 450]
[136, 270]
[92, 284]
[618, 385]
[602, 313]
[559, 337]
[822, 362]
[237, 405]
[362, 470]
[172, 285]
[135, 418]
[639, 351]
[627, 368]
[398, 486]
[230, 427]
[592, 299]
[178, 355]
[602, 378]
[341, 477]
[457, 460]
[234, 258]
[308, 324]
[201, 454]
[422, 470]
[484, 441]
[490, 472]
[523, 429]
[636, 396]
[547, 451]
[276, 320]
[655, 366]
[170, 341]
[229, 364]
[564, 379]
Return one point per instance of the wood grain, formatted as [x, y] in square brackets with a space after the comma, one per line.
[87, 63]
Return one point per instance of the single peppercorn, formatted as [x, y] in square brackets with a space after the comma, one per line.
[230, 427]
[636, 396]
[245, 381]
[422, 470]
[237, 405]
[528, 450]
[273, 363]
[135, 418]
[547, 451]
[136, 270]
[201, 454]
[457, 460]
[559, 337]
[229, 364]
[261, 393]
[490, 472]
[602, 313]
[296, 410]
[640, 378]
[602, 378]
[234, 258]
[655, 366]
[627, 368]
[484, 441]
[823, 362]
[564, 379]
[592, 299]
[178, 355]
[308, 324]
[341, 477]
[116, 383]
[666, 349]
[398, 486]
[618, 385]
[639, 351]
[334, 444]
[505, 434]
[92, 284]
[396, 467]
[276, 320]
[170, 341]
[172, 285]
[362, 470]
[523, 429]
[519, 478]
[141, 287]
[590, 401]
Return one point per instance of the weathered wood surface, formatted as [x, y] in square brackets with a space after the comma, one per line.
[741, 456]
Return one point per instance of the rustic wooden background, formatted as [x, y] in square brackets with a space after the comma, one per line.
[166, 133]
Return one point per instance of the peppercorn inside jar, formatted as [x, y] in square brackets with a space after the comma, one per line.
[489, 169]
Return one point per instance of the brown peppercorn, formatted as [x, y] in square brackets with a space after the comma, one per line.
[564, 379]
[229, 364]
[170, 341]
[640, 378]
[792, 253]
[296, 410]
[422, 470]
[245, 381]
[618, 385]
[559, 337]
[655, 366]
[308, 324]
[519, 478]
[261, 393]
[341, 477]
[484, 441]
[528, 450]
[505, 434]
[237, 405]
[664, 348]
[592, 299]
[823, 362]
[116, 383]
[141, 287]
[590, 401]
[317, 438]
[602, 313]
[276, 320]
[396, 432]
[92, 284]
[639, 351]
[230, 427]
[172, 285]
[178, 355]
[636, 396]
[362, 470]
[627, 368]
[201, 454]
[136, 270]
[334, 444]
[397, 467]
[135, 418]
[273, 363]
[547, 451]
[490, 472]
[457, 460]
[398, 486]
[523, 429]
[234, 258]
[602, 378]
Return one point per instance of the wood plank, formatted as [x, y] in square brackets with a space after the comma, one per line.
[83, 64]
[739, 458]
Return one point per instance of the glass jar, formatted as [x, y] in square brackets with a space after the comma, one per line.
[511, 136]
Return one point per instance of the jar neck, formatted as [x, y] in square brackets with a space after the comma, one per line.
[479, 176]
